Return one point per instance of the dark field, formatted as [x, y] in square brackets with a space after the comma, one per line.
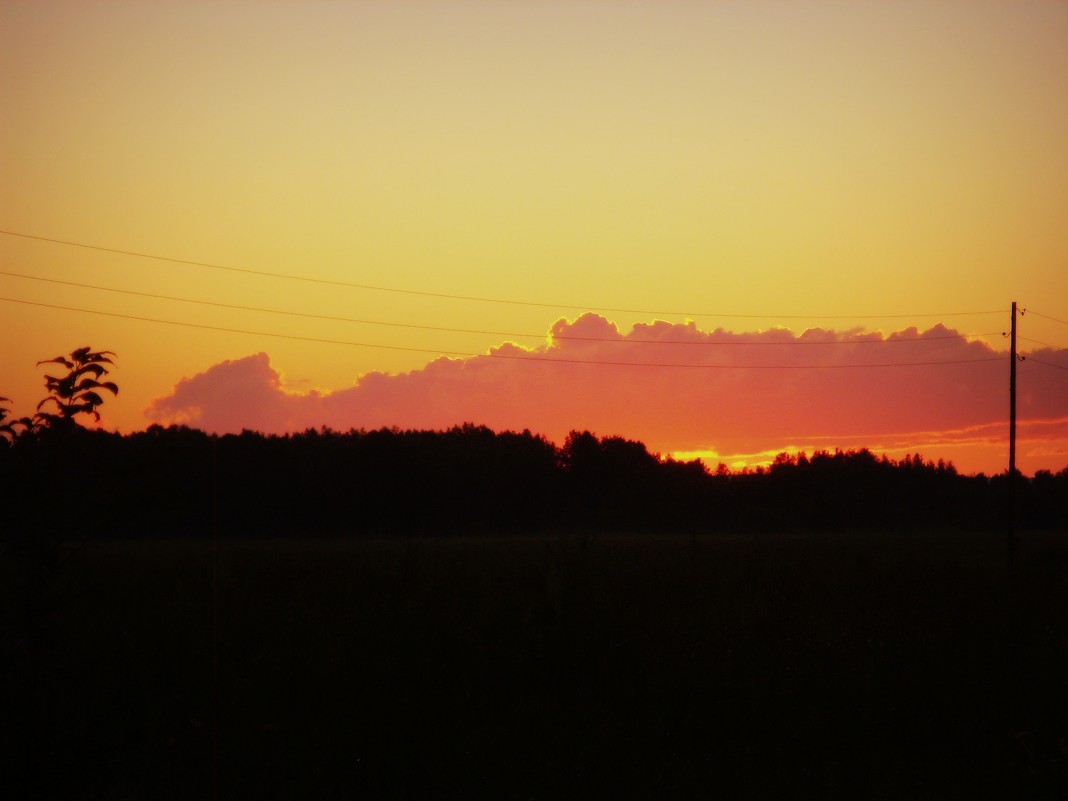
[560, 667]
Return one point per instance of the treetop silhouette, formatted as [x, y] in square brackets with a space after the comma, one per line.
[78, 391]
[10, 429]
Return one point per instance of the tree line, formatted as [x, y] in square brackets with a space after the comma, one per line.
[72, 482]
[60, 481]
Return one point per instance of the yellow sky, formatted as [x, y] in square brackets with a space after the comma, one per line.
[802, 158]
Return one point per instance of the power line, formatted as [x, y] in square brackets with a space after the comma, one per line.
[627, 340]
[1039, 342]
[499, 355]
[1047, 317]
[1048, 364]
[478, 298]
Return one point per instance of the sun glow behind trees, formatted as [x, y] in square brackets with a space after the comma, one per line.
[763, 159]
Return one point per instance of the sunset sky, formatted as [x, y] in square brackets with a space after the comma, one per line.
[743, 202]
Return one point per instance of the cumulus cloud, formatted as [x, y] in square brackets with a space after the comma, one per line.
[678, 389]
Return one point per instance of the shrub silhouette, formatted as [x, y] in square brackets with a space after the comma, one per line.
[10, 429]
[76, 392]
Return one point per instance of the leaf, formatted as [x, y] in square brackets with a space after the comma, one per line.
[95, 369]
[91, 399]
[57, 360]
[12, 427]
[109, 386]
[76, 408]
[46, 400]
[81, 408]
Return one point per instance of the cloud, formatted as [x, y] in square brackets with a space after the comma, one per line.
[677, 388]
[231, 396]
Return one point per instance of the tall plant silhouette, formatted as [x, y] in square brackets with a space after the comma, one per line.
[78, 392]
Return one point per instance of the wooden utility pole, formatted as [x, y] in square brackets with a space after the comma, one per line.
[1012, 545]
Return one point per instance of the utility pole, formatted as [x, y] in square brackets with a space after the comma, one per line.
[1012, 545]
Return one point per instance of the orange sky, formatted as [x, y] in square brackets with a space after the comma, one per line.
[751, 167]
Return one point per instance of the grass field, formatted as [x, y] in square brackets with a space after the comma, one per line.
[557, 667]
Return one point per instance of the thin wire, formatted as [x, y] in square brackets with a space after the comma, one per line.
[497, 355]
[1048, 364]
[1046, 317]
[308, 315]
[1039, 342]
[478, 298]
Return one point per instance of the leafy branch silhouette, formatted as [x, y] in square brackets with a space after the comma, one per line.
[10, 429]
[78, 392]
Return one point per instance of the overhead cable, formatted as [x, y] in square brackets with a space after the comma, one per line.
[1048, 364]
[1039, 342]
[1047, 317]
[569, 337]
[526, 356]
[477, 298]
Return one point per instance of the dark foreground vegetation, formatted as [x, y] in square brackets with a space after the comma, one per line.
[466, 614]
[180, 482]
[883, 666]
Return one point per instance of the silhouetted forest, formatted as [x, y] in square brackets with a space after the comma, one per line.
[836, 626]
[177, 481]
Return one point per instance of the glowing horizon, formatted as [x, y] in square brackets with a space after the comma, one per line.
[675, 387]
[756, 161]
